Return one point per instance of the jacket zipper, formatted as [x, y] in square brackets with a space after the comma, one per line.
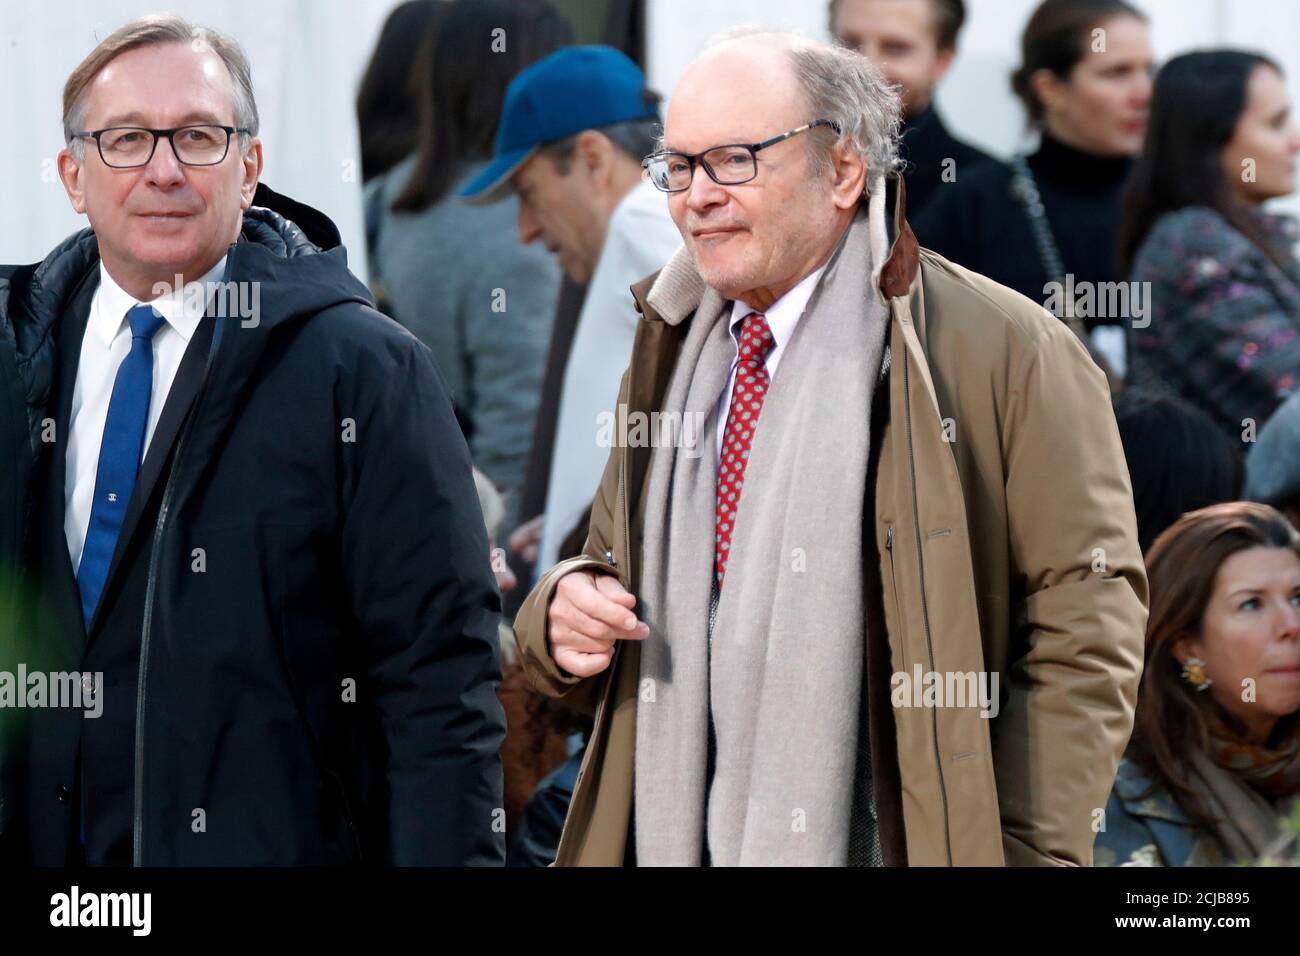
[893, 580]
[925, 604]
[150, 594]
[347, 811]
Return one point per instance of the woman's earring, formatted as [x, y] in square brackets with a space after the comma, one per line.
[1194, 673]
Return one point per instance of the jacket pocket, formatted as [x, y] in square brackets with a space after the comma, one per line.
[897, 619]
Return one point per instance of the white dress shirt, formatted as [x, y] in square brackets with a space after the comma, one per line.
[782, 316]
[106, 342]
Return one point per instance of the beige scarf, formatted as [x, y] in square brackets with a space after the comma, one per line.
[1249, 787]
[784, 677]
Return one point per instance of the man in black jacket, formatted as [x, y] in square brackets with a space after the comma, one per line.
[913, 42]
[242, 515]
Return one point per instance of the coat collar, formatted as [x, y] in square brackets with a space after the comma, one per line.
[676, 290]
[1133, 786]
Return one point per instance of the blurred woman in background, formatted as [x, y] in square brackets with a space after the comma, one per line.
[1224, 327]
[387, 115]
[456, 275]
[1085, 82]
[1213, 767]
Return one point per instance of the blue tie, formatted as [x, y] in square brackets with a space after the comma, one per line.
[119, 456]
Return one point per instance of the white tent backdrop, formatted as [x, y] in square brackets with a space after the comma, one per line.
[308, 56]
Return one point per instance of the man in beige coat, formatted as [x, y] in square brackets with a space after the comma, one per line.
[887, 605]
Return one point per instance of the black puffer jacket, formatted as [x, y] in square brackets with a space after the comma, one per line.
[326, 559]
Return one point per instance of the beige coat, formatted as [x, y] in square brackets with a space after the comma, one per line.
[1007, 543]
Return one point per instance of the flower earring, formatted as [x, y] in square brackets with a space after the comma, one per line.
[1194, 673]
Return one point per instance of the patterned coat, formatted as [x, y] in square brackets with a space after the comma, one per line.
[1150, 831]
[1223, 331]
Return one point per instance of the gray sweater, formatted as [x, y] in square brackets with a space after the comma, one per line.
[461, 282]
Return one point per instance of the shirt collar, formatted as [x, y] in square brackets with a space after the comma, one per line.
[782, 314]
[182, 309]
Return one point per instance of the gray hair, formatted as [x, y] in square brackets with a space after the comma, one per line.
[632, 138]
[150, 31]
[842, 86]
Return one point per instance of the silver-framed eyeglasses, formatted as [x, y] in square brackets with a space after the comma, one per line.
[728, 165]
[125, 147]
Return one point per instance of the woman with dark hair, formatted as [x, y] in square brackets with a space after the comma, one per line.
[387, 117]
[456, 275]
[1213, 767]
[1085, 82]
[1224, 327]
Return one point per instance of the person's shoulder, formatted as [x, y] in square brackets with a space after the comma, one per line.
[459, 222]
[1144, 795]
[976, 201]
[1132, 782]
[356, 333]
[1126, 836]
[391, 181]
[40, 290]
[980, 331]
[1193, 234]
[988, 179]
[1191, 219]
[969, 157]
[1146, 826]
[981, 307]
[1272, 465]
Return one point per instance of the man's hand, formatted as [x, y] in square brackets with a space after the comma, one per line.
[526, 540]
[588, 613]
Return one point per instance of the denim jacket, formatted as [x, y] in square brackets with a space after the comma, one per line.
[1152, 830]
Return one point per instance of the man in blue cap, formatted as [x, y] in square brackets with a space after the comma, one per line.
[574, 129]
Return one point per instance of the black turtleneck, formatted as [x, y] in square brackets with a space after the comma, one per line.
[976, 223]
[926, 148]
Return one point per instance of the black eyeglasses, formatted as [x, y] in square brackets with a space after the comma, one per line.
[124, 147]
[728, 165]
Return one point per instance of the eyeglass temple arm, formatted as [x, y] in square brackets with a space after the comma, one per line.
[795, 132]
[699, 157]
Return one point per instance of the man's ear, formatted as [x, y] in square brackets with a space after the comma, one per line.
[595, 152]
[251, 160]
[941, 65]
[848, 176]
[70, 173]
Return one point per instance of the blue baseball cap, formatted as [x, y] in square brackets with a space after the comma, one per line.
[574, 89]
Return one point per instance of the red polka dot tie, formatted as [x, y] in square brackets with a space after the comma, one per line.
[747, 396]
